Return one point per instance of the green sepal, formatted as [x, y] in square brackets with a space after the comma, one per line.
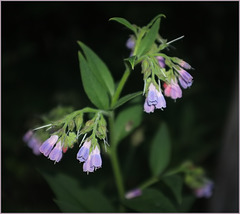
[88, 126]
[71, 125]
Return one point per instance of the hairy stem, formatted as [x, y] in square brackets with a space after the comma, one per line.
[114, 159]
[120, 86]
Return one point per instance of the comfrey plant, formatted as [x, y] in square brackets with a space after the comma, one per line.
[90, 128]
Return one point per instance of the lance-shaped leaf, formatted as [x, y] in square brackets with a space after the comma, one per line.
[126, 98]
[95, 91]
[149, 39]
[160, 151]
[131, 60]
[127, 120]
[125, 23]
[99, 68]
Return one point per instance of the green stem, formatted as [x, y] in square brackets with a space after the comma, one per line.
[149, 182]
[114, 159]
[120, 86]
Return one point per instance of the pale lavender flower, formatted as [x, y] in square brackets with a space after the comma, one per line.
[185, 79]
[83, 152]
[56, 153]
[205, 190]
[154, 99]
[96, 158]
[87, 166]
[184, 64]
[133, 193]
[161, 61]
[47, 146]
[130, 44]
[28, 136]
[34, 143]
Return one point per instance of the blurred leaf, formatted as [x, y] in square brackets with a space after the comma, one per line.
[160, 150]
[127, 120]
[99, 68]
[151, 200]
[131, 60]
[93, 88]
[126, 98]
[69, 206]
[125, 23]
[175, 183]
[72, 198]
[148, 39]
[187, 203]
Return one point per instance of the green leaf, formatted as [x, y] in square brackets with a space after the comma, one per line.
[148, 39]
[125, 23]
[127, 120]
[131, 60]
[160, 150]
[150, 201]
[126, 98]
[175, 183]
[155, 18]
[99, 68]
[93, 88]
[70, 197]
[187, 203]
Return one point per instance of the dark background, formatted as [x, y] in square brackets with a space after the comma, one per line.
[40, 71]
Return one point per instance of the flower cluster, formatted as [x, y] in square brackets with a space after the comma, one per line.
[205, 191]
[170, 70]
[195, 179]
[67, 134]
[92, 160]
[54, 154]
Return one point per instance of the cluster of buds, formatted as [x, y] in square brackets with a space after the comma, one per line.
[195, 178]
[68, 131]
[157, 67]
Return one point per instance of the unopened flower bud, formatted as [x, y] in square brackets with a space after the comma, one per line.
[79, 121]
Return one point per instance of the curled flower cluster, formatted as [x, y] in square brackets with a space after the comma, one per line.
[65, 137]
[170, 70]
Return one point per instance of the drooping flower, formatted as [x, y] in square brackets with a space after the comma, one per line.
[56, 153]
[173, 90]
[133, 193]
[154, 99]
[87, 166]
[185, 79]
[47, 146]
[184, 64]
[28, 136]
[83, 152]
[96, 158]
[130, 44]
[161, 61]
[205, 190]
[32, 141]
